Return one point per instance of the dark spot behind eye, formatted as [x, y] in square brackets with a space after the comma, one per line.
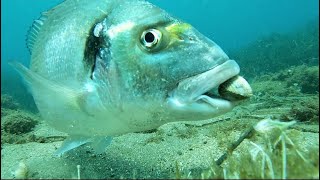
[149, 37]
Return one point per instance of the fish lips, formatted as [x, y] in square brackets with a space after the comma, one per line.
[191, 94]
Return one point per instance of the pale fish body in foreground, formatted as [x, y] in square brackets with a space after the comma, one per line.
[109, 67]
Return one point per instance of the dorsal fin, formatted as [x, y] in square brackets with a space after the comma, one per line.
[34, 30]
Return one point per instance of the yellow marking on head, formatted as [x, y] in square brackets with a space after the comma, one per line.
[176, 29]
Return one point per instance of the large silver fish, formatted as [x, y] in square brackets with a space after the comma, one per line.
[102, 68]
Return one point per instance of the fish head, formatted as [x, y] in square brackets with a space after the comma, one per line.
[163, 65]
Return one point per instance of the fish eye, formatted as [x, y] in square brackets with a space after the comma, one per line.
[150, 38]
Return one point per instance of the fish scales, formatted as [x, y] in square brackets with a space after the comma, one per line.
[68, 37]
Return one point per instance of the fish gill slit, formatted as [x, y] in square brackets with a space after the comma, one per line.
[92, 49]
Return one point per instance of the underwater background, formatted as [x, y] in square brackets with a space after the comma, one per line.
[276, 44]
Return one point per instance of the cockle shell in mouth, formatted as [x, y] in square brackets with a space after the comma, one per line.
[234, 89]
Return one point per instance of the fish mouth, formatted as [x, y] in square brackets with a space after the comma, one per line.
[215, 90]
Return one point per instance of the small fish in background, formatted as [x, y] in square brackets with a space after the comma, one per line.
[103, 68]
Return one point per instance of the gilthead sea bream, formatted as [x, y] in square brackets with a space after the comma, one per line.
[102, 68]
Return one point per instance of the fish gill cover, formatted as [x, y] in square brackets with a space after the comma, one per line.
[263, 137]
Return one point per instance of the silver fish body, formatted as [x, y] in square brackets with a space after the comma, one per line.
[109, 67]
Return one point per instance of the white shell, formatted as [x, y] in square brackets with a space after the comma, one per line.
[235, 88]
[21, 172]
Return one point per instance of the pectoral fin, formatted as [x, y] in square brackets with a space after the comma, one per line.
[98, 144]
[44, 90]
[70, 143]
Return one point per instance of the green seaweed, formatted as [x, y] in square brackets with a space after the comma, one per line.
[7, 102]
[273, 152]
[157, 137]
[306, 110]
[276, 51]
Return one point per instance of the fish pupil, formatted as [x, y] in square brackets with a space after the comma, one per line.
[149, 37]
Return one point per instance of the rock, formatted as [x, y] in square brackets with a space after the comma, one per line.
[8, 102]
[18, 123]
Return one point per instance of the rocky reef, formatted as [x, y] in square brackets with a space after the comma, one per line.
[7, 102]
[16, 124]
[297, 86]
[277, 51]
